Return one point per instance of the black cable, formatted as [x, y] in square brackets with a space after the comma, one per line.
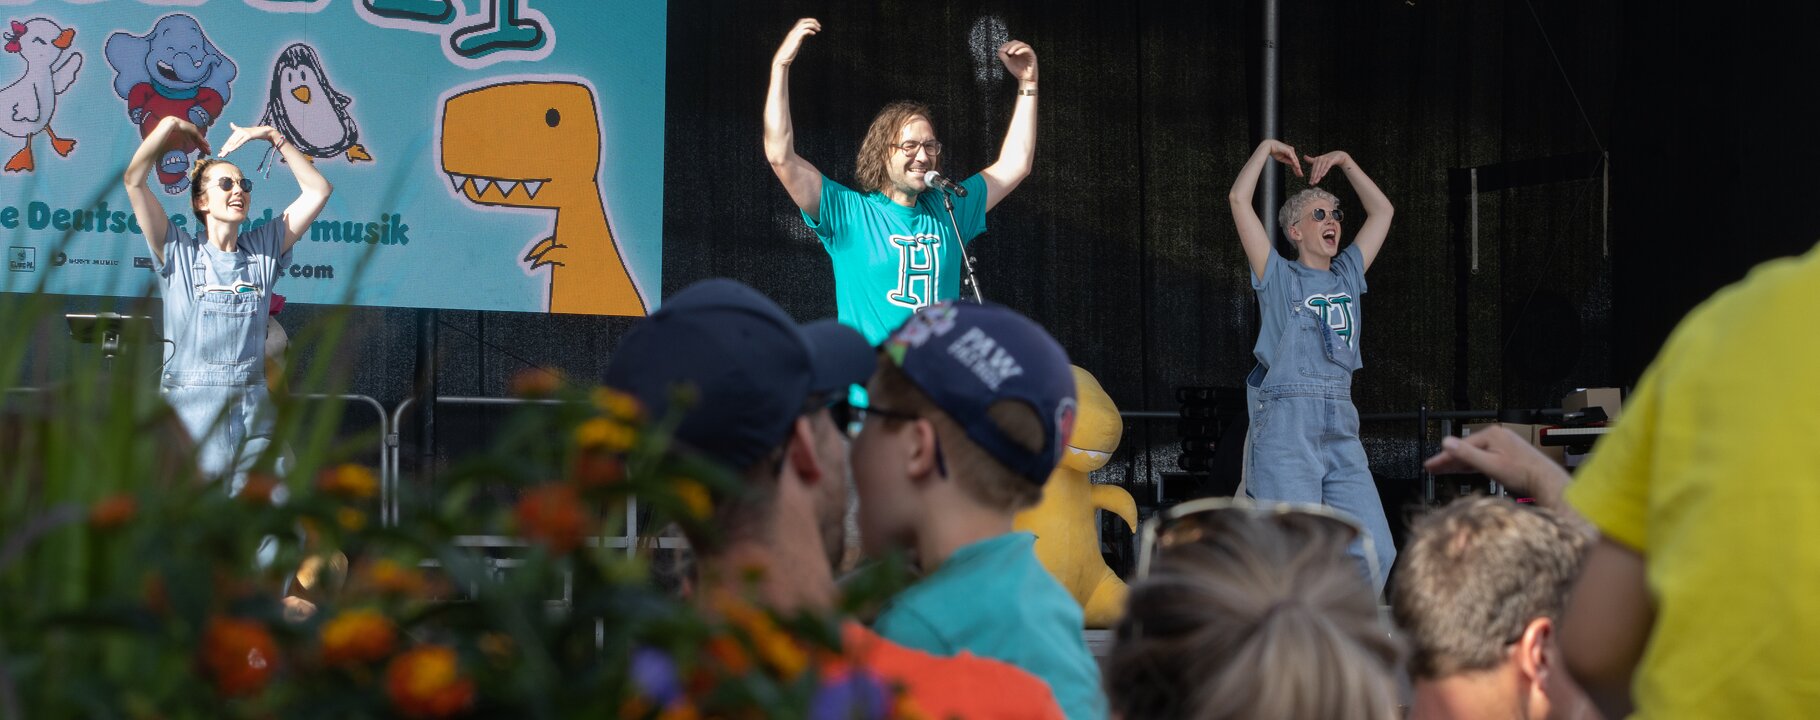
[508, 353]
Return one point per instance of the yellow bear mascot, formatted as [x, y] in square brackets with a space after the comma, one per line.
[1066, 528]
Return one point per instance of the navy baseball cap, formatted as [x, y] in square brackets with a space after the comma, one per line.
[966, 356]
[751, 368]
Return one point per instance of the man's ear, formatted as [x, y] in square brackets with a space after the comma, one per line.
[1532, 649]
[800, 453]
[924, 458]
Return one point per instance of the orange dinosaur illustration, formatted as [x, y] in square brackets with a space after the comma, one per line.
[536, 144]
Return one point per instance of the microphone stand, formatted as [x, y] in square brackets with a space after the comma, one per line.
[968, 282]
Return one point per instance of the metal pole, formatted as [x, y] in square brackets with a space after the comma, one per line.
[426, 388]
[1269, 111]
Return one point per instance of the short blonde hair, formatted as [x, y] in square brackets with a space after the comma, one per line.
[1270, 619]
[1293, 207]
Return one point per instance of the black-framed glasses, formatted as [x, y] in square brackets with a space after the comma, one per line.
[1195, 520]
[911, 146]
[1320, 214]
[227, 184]
[849, 417]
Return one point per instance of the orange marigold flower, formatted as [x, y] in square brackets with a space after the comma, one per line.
[350, 519]
[390, 577]
[426, 682]
[552, 515]
[113, 511]
[694, 497]
[349, 481]
[498, 647]
[774, 646]
[619, 405]
[730, 655]
[258, 489]
[157, 598]
[537, 382]
[680, 710]
[597, 469]
[605, 434]
[357, 636]
[239, 655]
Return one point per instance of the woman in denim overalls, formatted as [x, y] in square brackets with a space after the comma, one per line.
[217, 287]
[1304, 441]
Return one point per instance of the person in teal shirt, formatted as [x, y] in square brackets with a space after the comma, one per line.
[890, 240]
[970, 408]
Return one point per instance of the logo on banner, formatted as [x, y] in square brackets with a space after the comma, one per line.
[22, 259]
[28, 102]
[171, 70]
[304, 107]
[535, 144]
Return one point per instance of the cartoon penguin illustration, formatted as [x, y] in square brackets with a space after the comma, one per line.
[307, 110]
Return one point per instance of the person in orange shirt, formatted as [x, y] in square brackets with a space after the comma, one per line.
[764, 388]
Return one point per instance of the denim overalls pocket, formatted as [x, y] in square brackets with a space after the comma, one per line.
[1319, 351]
[224, 328]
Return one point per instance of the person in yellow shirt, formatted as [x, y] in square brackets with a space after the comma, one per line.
[1702, 596]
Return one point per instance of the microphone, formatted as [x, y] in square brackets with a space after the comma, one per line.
[936, 180]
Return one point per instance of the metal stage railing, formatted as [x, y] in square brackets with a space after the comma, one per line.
[1421, 416]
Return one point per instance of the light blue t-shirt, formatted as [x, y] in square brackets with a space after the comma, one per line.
[1333, 294]
[891, 260]
[189, 267]
[994, 599]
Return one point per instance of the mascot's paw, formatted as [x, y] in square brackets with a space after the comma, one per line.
[178, 188]
[137, 115]
[200, 117]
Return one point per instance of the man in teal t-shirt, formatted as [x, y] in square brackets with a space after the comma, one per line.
[893, 248]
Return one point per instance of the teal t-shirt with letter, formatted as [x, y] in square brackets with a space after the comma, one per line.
[891, 260]
[994, 599]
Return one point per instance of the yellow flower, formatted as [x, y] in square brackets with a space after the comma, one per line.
[618, 405]
[694, 498]
[352, 520]
[349, 481]
[604, 434]
[357, 636]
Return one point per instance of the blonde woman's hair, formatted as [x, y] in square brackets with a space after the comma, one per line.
[1271, 619]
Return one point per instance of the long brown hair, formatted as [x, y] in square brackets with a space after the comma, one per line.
[197, 190]
[881, 141]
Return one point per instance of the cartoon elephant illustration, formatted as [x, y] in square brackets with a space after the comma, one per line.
[172, 70]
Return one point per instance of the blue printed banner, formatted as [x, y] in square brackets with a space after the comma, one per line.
[486, 154]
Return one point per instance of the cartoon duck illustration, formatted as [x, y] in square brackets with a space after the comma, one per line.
[308, 111]
[26, 106]
[173, 69]
[536, 144]
[1066, 529]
